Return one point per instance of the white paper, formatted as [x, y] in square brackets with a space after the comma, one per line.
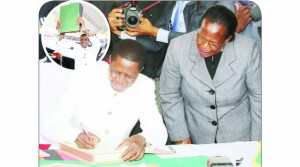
[184, 150]
[159, 150]
[43, 154]
[234, 151]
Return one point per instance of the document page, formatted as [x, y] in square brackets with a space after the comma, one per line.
[185, 150]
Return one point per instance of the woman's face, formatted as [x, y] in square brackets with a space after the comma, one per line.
[211, 38]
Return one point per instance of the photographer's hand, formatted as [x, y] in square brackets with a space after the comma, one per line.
[116, 19]
[144, 28]
[243, 16]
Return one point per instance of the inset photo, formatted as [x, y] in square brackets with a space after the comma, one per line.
[74, 35]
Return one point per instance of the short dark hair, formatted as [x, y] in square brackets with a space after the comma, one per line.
[131, 50]
[82, 35]
[222, 15]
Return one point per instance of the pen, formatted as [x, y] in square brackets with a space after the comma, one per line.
[239, 161]
[85, 132]
[172, 149]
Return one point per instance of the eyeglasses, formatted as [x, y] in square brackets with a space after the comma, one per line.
[213, 45]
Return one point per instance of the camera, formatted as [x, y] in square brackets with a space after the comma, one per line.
[132, 19]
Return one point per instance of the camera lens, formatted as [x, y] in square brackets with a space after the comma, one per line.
[132, 20]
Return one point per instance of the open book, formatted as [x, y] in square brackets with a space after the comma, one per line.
[104, 152]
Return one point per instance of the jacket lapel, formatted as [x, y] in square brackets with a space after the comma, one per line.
[187, 12]
[169, 11]
[199, 70]
[224, 69]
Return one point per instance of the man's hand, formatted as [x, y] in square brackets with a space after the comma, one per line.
[115, 19]
[186, 141]
[144, 28]
[83, 27]
[83, 141]
[58, 25]
[81, 23]
[243, 16]
[136, 148]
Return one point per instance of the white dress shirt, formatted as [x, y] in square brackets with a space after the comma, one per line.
[181, 27]
[83, 57]
[91, 101]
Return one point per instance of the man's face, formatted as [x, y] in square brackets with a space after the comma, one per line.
[84, 41]
[211, 38]
[123, 73]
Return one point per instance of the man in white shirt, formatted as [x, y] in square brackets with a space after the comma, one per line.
[108, 100]
[84, 53]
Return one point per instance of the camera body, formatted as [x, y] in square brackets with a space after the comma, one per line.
[132, 18]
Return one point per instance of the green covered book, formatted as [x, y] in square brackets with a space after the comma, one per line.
[68, 17]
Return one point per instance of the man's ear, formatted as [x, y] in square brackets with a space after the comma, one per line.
[141, 69]
[228, 39]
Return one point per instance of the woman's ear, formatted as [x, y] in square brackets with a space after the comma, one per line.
[228, 39]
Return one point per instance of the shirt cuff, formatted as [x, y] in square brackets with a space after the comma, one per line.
[123, 35]
[162, 36]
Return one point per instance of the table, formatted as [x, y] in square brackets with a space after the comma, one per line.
[190, 156]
